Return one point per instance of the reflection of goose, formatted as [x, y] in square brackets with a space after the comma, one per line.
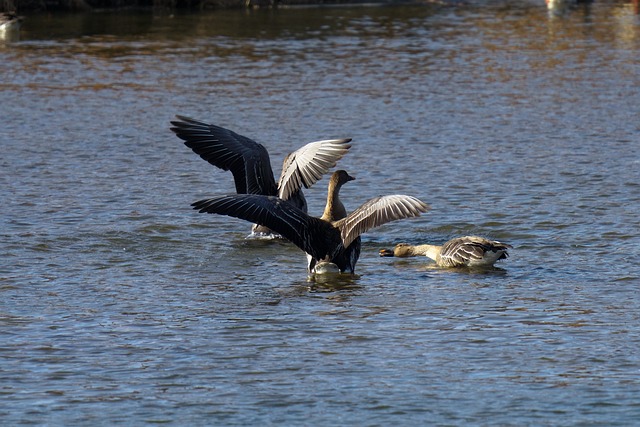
[560, 7]
[9, 21]
[332, 242]
[249, 161]
[467, 251]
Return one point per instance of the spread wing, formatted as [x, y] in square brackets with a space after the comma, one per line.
[247, 160]
[306, 165]
[376, 212]
[313, 235]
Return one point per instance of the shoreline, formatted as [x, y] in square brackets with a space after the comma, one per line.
[22, 6]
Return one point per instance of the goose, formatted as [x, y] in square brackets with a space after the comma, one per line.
[332, 242]
[467, 251]
[249, 162]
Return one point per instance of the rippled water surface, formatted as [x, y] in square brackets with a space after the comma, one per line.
[120, 304]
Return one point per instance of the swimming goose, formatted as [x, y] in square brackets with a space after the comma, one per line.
[332, 242]
[249, 161]
[467, 251]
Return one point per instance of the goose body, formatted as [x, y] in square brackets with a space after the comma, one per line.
[332, 242]
[467, 251]
[250, 165]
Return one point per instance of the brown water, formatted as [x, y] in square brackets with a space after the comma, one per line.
[119, 304]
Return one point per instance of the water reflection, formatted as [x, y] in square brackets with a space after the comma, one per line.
[558, 8]
[329, 282]
[423, 264]
[10, 27]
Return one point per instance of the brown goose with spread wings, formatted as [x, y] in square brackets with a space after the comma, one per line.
[250, 165]
[333, 239]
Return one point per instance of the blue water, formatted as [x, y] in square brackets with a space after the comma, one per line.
[121, 305]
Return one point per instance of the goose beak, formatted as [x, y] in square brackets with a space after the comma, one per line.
[386, 252]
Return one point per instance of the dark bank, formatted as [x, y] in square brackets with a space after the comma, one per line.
[22, 6]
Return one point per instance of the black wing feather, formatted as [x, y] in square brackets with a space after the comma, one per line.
[247, 160]
[316, 237]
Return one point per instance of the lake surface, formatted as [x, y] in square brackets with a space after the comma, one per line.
[119, 304]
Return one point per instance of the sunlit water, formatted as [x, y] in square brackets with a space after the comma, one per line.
[119, 304]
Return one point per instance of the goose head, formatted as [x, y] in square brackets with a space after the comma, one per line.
[400, 250]
[341, 177]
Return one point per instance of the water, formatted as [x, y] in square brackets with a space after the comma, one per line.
[119, 304]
